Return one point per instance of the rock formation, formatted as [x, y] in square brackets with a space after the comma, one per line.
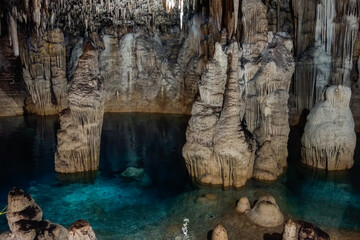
[218, 151]
[219, 233]
[81, 230]
[44, 72]
[266, 212]
[25, 222]
[81, 123]
[235, 101]
[329, 138]
[267, 109]
[300, 230]
[325, 37]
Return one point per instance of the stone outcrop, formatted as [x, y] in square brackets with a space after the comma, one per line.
[81, 123]
[329, 138]
[300, 230]
[25, 222]
[44, 72]
[266, 212]
[218, 151]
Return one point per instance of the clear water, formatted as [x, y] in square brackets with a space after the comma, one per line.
[156, 204]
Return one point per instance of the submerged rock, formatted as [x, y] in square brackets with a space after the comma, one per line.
[266, 212]
[133, 173]
[329, 138]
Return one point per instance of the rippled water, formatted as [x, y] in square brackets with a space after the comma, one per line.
[156, 204]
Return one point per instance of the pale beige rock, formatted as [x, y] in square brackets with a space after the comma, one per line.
[243, 205]
[266, 212]
[44, 72]
[217, 151]
[267, 106]
[329, 138]
[79, 135]
[300, 230]
[219, 233]
[255, 27]
[81, 230]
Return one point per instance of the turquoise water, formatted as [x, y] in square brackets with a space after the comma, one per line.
[156, 204]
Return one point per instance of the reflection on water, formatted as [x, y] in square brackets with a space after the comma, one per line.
[156, 203]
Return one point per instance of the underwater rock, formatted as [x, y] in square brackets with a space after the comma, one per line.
[217, 150]
[219, 233]
[133, 173]
[243, 205]
[300, 230]
[78, 148]
[266, 212]
[81, 230]
[329, 138]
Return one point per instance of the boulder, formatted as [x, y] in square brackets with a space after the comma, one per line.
[243, 205]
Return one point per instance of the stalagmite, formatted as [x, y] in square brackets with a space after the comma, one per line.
[14, 35]
[79, 135]
[329, 138]
[218, 151]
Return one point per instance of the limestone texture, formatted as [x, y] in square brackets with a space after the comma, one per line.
[266, 212]
[81, 230]
[329, 138]
[219, 233]
[218, 151]
[300, 230]
[79, 135]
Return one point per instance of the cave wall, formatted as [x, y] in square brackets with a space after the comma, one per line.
[163, 56]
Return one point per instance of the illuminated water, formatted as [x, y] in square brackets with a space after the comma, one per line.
[156, 204]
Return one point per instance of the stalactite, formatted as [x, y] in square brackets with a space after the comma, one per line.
[216, 11]
[14, 35]
[236, 13]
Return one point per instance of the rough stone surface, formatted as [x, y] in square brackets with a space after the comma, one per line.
[243, 205]
[329, 138]
[266, 212]
[300, 230]
[219, 233]
[217, 150]
[44, 72]
[25, 222]
[267, 109]
[81, 230]
[81, 123]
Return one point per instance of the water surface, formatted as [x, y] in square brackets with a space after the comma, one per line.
[156, 204]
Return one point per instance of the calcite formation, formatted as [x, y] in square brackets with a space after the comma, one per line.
[81, 123]
[218, 151]
[44, 72]
[25, 221]
[329, 138]
[266, 212]
[267, 107]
